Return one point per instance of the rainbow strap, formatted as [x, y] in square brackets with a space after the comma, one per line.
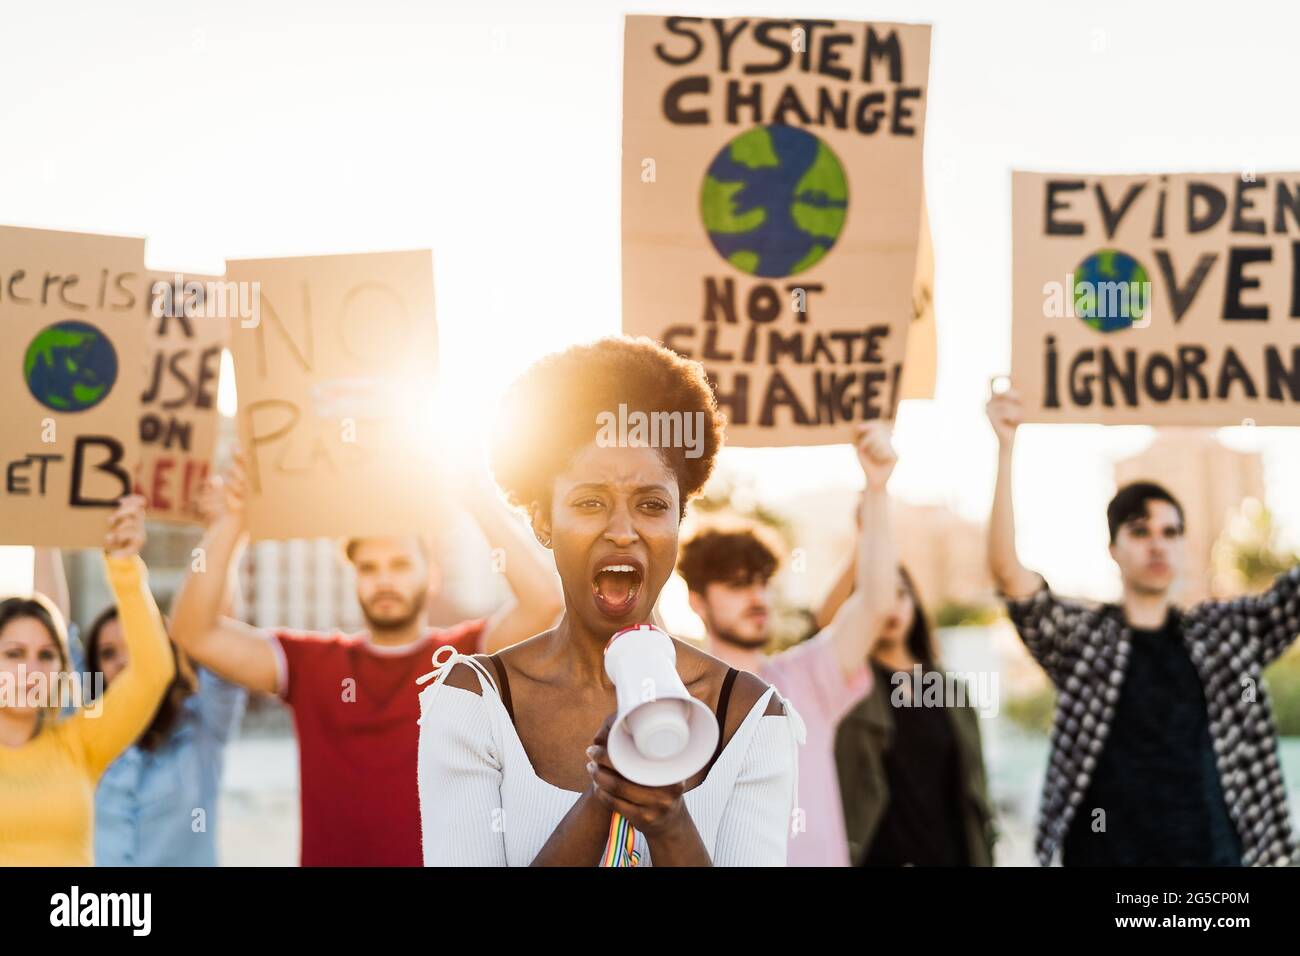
[619, 849]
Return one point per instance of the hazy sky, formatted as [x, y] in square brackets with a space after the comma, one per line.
[490, 132]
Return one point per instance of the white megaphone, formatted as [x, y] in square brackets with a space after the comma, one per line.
[662, 734]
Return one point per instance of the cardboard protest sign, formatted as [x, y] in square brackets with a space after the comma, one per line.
[1157, 299]
[334, 376]
[921, 361]
[70, 308]
[771, 212]
[179, 422]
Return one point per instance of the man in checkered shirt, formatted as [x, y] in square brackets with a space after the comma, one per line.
[1163, 749]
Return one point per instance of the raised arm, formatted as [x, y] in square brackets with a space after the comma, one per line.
[856, 624]
[1271, 619]
[128, 705]
[843, 586]
[537, 601]
[236, 651]
[1012, 578]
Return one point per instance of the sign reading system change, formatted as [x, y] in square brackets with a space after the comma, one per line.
[772, 193]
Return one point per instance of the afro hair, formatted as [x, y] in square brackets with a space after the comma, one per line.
[552, 411]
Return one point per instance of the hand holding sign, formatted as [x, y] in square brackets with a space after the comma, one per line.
[211, 501]
[1006, 411]
[231, 491]
[875, 453]
[126, 532]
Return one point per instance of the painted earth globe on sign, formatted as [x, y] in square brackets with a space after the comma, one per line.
[70, 366]
[774, 201]
[1112, 290]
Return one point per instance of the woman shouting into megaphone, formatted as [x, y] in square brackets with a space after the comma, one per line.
[543, 754]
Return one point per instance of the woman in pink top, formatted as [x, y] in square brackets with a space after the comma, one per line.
[728, 571]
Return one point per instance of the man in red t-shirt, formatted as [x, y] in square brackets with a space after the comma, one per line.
[354, 698]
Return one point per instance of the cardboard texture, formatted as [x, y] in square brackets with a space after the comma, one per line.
[71, 306]
[1157, 299]
[335, 385]
[772, 208]
[921, 361]
[188, 320]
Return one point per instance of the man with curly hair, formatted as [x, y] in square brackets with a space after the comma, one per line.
[728, 573]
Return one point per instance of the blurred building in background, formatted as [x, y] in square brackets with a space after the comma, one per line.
[943, 551]
[1209, 480]
[945, 554]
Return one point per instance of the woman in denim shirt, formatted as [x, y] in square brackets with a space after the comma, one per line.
[157, 803]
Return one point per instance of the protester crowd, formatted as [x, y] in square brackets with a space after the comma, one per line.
[416, 743]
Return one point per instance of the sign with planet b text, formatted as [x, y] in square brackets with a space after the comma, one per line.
[1157, 299]
[335, 377]
[71, 313]
[772, 208]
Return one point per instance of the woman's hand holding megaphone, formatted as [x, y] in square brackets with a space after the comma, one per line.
[658, 812]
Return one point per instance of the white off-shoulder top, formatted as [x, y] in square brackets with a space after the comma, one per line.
[482, 804]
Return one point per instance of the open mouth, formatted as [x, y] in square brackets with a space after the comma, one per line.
[615, 587]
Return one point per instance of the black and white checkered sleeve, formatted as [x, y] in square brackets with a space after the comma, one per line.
[1048, 625]
[1271, 620]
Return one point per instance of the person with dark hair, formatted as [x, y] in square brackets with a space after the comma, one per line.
[156, 805]
[912, 775]
[514, 769]
[1132, 503]
[728, 574]
[49, 766]
[353, 696]
[1164, 748]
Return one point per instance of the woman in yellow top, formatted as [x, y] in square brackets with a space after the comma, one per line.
[49, 767]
